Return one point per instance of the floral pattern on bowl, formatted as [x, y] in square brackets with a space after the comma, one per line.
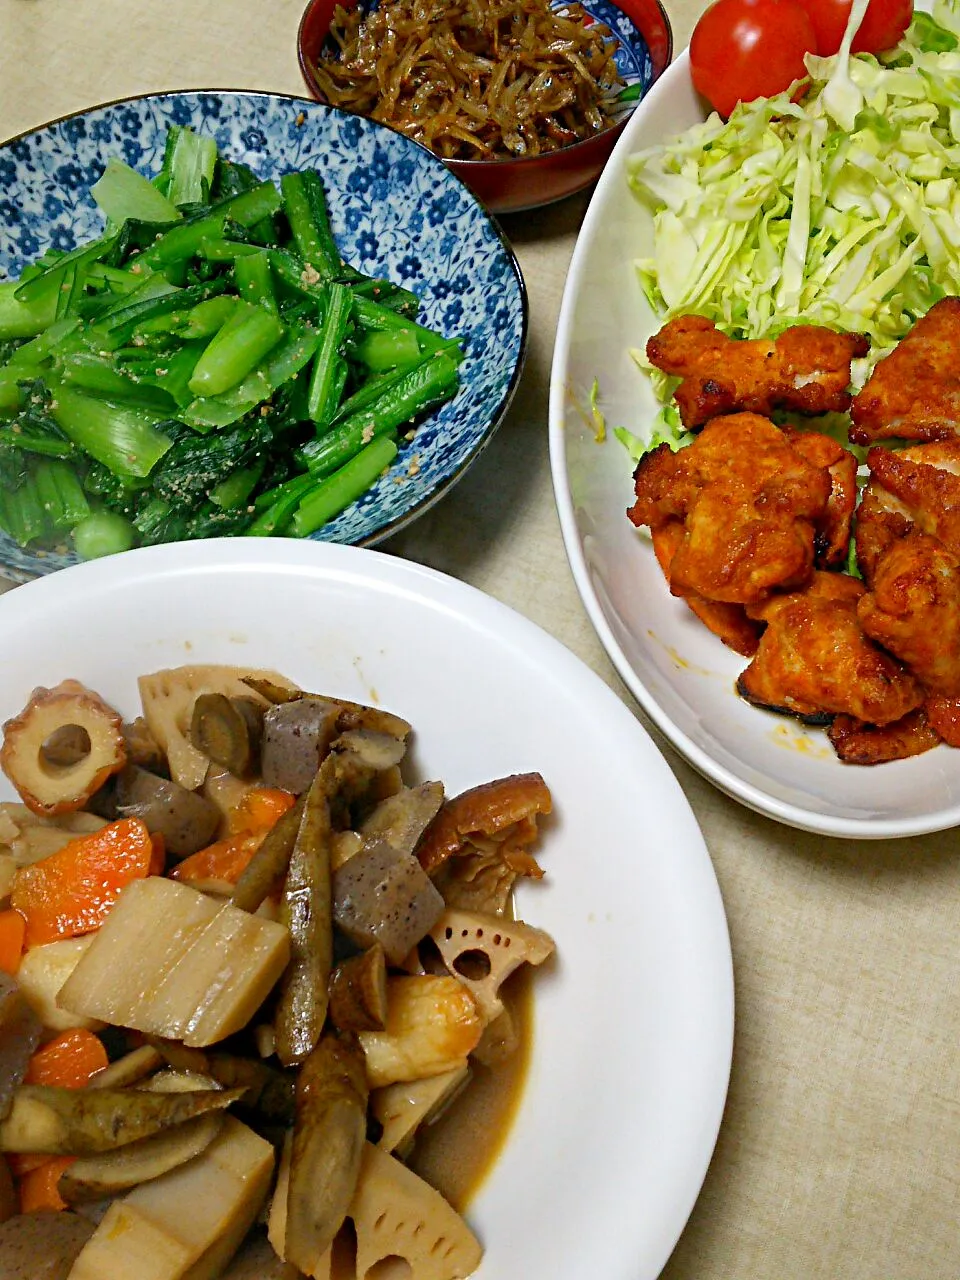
[396, 211]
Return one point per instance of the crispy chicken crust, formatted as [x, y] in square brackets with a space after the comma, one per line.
[913, 488]
[832, 541]
[727, 621]
[750, 504]
[908, 549]
[815, 662]
[914, 392]
[859, 743]
[944, 717]
[913, 610]
[806, 369]
[748, 519]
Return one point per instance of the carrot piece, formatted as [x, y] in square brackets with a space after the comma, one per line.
[226, 860]
[12, 930]
[68, 1060]
[38, 1187]
[247, 823]
[158, 857]
[71, 892]
[260, 809]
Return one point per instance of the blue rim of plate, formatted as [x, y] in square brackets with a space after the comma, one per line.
[58, 202]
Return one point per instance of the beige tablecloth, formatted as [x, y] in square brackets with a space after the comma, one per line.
[838, 1154]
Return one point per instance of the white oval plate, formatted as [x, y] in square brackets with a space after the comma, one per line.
[634, 1022]
[678, 671]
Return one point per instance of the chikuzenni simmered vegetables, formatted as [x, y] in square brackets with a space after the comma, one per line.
[209, 365]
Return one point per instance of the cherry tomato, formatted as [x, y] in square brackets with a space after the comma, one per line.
[883, 25]
[746, 49]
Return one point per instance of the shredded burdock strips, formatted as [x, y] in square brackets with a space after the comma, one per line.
[474, 79]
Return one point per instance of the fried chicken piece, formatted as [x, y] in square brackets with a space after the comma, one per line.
[858, 743]
[881, 520]
[806, 369]
[815, 662]
[944, 717]
[728, 621]
[913, 610]
[913, 488]
[832, 541]
[914, 392]
[750, 505]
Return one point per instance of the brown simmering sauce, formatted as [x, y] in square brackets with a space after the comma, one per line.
[457, 1151]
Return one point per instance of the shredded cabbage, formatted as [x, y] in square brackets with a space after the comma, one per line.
[841, 209]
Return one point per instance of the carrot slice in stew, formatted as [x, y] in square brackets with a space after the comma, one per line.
[38, 1187]
[12, 930]
[260, 809]
[224, 861]
[69, 1060]
[158, 859]
[71, 892]
[248, 822]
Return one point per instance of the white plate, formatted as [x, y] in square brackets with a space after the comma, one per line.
[679, 672]
[634, 1023]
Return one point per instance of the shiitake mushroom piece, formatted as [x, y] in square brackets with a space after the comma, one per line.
[228, 731]
[143, 748]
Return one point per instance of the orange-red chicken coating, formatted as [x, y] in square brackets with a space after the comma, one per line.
[859, 743]
[815, 662]
[913, 610]
[832, 543]
[806, 369]
[750, 504]
[944, 717]
[913, 488]
[727, 621]
[914, 392]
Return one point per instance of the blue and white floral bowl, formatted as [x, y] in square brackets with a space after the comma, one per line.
[396, 211]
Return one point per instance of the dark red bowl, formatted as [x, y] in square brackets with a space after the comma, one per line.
[507, 186]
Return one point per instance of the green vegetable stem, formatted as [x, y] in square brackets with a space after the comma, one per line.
[208, 365]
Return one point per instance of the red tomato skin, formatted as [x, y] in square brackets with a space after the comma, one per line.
[746, 49]
[882, 27]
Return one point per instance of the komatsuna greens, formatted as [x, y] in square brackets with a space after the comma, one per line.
[208, 365]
